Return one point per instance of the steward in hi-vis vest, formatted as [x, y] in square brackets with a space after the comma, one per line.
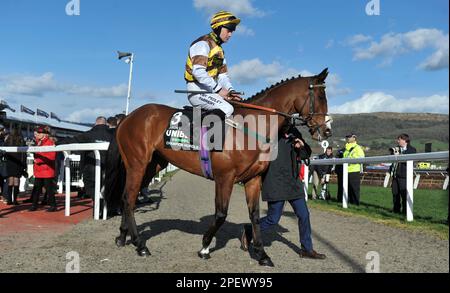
[206, 67]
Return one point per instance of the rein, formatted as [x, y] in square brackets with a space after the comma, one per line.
[305, 120]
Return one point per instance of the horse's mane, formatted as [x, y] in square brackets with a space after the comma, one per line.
[272, 87]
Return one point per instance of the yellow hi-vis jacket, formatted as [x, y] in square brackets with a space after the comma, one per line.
[353, 151]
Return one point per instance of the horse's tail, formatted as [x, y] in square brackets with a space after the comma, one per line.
[115, 177]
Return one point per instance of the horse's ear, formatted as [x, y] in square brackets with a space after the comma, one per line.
[323, 75]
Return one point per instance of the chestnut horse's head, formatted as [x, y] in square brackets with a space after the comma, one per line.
[314, 109]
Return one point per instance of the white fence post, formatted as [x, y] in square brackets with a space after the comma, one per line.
[345, 185]
[67, 177]
[409, 190]
[97, 186]
[444, 187]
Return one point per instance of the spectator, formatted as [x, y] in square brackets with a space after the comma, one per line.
[99, 133]
[15, 166]
[280, 184]
[111, 122]
[352, 151]
[398, 172]
[120, 118]
[3, 170]
[320, 172]
[44, 170]
[338, 170]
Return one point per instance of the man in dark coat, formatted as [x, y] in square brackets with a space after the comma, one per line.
[99, 133]
[280, 184]
[398, 171]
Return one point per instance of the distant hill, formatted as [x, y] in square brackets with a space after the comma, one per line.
[378, 131]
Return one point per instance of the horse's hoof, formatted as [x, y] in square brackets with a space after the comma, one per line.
[144, 252]
[203, 255]
[266, 262]
[120, 242]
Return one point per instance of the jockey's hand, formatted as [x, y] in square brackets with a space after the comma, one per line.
[234, 96]
[224, 93]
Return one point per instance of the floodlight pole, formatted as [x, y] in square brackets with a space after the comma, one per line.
[129, 83]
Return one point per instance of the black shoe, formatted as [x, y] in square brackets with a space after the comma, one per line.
[51, 209]
[246, 237]
[33, 209]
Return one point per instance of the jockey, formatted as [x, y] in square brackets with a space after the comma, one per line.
[206, 68]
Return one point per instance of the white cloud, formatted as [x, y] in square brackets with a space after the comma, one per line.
[238, 7]
[89, 114]
[392, 45]
[329, 44]
[357, 39]
[31, 85]
[333, 89]
[244, 30]
[254, 70]
[114, 91]
[250, 71]
[28, 84]
[382, 102]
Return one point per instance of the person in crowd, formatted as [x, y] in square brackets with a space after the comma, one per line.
[15, 165]
[281, 184]
[320, 172]
[206, 67]
[398, 171]
[111, 122]
[3, 169]
[338, 170]
[44, 170]
[352, 151]
[119, 118]
[99, 133]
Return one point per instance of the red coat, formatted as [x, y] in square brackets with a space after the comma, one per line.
[44, 163]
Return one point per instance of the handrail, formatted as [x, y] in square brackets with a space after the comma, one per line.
[436, 156]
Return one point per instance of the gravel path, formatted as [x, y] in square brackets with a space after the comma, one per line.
[182, 212]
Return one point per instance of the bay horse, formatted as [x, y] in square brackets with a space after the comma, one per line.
[138, 153]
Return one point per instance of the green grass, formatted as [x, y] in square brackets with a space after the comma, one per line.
[430, 209]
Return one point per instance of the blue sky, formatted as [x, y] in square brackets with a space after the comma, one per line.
[396, 61]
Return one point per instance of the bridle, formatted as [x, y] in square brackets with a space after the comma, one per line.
[306, 121]
[297, 119]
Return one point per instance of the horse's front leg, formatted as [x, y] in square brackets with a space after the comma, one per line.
[224, 187]
[252, 193]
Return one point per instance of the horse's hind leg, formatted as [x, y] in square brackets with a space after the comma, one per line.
[133, 184]
[224, 187]
[252, 192]
[122, 238]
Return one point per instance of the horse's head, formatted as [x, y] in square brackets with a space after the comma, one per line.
[314, 109]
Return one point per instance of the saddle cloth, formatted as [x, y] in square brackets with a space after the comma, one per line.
[186, 125]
